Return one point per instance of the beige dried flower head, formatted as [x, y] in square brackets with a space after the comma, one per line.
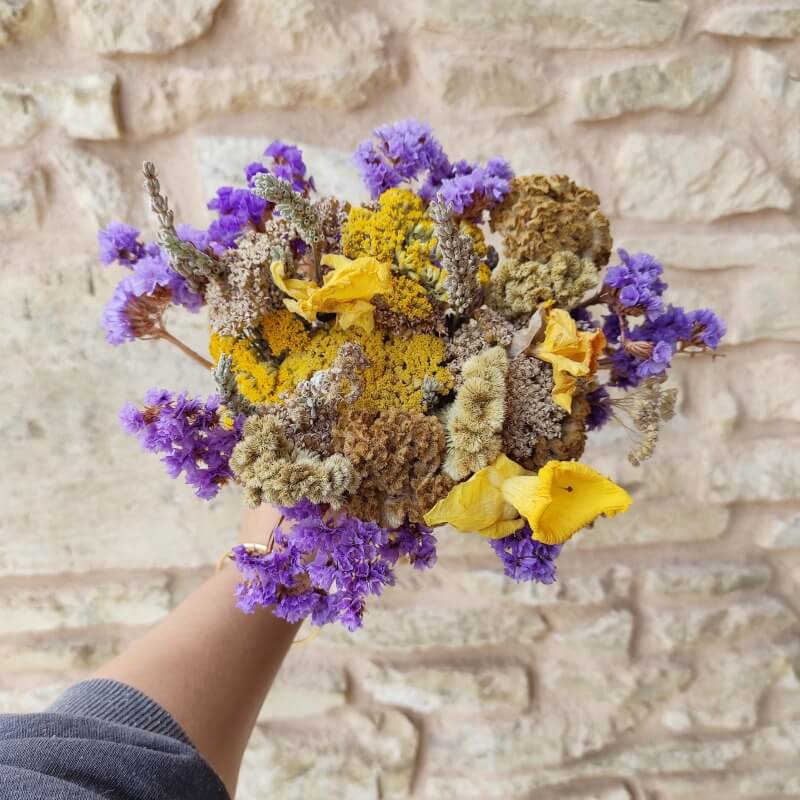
[531, 414]
[517, 289]
[475, 420]
[194, 265]
[272, 470]
[465, 343]
[238, 300]
[457, 254]
[647, 406]
[332, 214]
[397, 455]
[308, 415]
[570, 442]
[291, 205]
[544, 214]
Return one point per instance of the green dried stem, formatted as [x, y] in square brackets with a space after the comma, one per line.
[228, 389]
[458, 257]
[194, 265]
[295, 208]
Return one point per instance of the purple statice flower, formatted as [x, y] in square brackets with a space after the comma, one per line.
[200, 239]
[526, 559]
[469, 189]
[600, 410]
[638, 283]
[236, 209]
[288, 164]
[326, 568]
[612, 328]
[414, 540]
[706, 328]
[623, 370]
[119, 242]
[141, 297]
[650, 346]
[190, 435]
[402, 151]
[657, 362]
[584, 318]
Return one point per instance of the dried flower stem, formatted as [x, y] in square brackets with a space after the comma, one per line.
[228, 389]
[194, 265]
[163, 333]
[458, 257]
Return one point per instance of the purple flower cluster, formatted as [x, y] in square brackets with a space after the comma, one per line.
[524, 558]
[638, 283]
[407, 151]
[151, 277]
[191, 435]
[647, 349]
[472, 188]
[327, 568]
[402, 152]
[287, 164]
[238, 209]
[120, 242]
[599, 408]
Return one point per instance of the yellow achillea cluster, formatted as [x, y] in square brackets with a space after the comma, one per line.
[399, 232]
[383, 232]
[284, 332]
[398, 367]
[408, 298]
[256, 379]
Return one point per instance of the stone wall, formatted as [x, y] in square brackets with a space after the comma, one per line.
[664, 663]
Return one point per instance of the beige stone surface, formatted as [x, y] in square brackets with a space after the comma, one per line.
[763, 20]
[689, 84]
[663, 663]
[150, 26]
[560, 23]
[83, 106]
[681, 178]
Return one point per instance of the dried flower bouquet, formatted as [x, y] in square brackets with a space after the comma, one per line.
[382, 370]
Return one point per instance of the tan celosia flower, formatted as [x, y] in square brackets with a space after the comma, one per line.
[475, 420]
[519, 288]
[544, 214]
[397, 455]
[272, 470]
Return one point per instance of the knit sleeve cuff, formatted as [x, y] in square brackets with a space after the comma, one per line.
[116, 702]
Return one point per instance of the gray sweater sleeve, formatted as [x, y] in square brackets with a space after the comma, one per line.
[102, 739]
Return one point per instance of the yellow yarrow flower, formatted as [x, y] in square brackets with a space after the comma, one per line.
[346, 290]
[382, 233]
[562, 498]
[572, 353]
[398, 366]
[283, 332]
[408, 298]
[399, 232]
[255, 379]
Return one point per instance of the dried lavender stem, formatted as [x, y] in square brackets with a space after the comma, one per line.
[195, 266]
[163, 333]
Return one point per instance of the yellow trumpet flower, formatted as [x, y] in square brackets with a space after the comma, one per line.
[572, 353]
[562, 498]
[346, 290]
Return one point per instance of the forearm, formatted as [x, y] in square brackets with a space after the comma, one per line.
[210, 665]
